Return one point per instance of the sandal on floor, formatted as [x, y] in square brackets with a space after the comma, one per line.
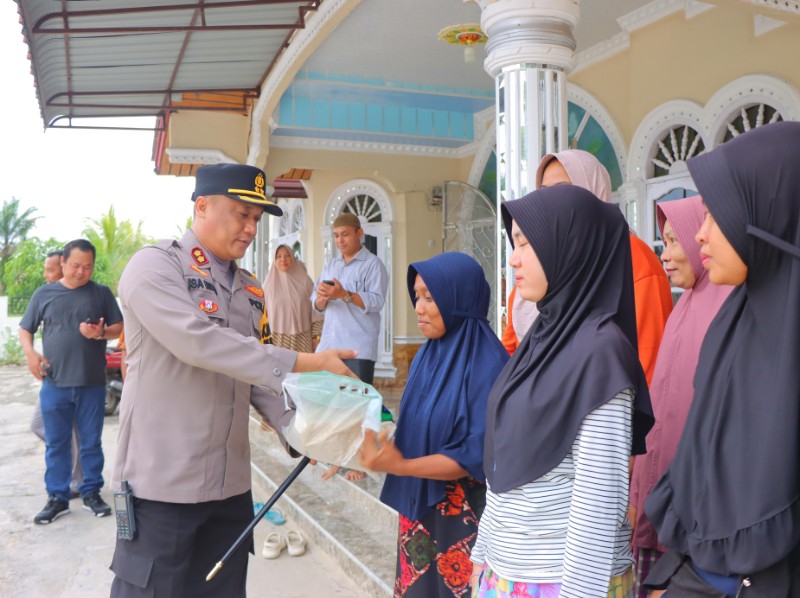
[273, 544]
[274, 516]
[295, 543]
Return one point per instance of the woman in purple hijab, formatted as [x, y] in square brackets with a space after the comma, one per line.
[671, 390]
[728, 507]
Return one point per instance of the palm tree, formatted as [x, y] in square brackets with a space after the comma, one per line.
[115, 241]
[14, 228]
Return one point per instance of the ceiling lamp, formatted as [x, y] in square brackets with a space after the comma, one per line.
[468, 35]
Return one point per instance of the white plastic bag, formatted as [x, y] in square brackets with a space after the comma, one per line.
[331, 415]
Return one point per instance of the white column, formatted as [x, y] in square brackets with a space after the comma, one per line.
[530, 51]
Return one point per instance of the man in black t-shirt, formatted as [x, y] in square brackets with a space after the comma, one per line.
[78, 316]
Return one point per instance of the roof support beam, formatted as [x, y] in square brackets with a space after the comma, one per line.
[40, 27]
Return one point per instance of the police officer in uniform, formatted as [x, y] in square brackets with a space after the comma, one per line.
[194, 323]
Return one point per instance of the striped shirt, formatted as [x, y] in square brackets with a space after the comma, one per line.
[570, 525]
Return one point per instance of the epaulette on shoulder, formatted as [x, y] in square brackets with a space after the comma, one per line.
[168, 243]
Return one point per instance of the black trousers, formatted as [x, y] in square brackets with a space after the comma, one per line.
[363, 368]
[176, 547]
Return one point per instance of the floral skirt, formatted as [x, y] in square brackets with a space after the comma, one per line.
[494, 586]
[433, 553]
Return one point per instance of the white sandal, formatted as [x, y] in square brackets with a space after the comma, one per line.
[273, 544]
[296, 544]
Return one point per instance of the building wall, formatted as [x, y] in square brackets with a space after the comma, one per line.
[417, 229]
[679, 58]
[227, 133]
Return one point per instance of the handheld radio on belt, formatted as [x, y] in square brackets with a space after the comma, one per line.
[123, 506]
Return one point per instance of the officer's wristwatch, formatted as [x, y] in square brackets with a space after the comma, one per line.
[348, 297]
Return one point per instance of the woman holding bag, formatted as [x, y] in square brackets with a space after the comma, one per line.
[434, 466]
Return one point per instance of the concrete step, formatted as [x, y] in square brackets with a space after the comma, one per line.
[343, 518]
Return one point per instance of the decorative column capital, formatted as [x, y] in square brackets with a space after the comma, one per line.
[530, 32]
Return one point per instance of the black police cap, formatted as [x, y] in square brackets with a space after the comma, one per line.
[238, 181]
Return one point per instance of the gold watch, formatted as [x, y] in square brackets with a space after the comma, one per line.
[348, 297]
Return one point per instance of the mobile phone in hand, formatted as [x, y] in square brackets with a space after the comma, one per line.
[329, 282]
[90, 321]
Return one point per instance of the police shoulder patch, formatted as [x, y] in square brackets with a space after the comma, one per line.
[208, 306]
[257, 291]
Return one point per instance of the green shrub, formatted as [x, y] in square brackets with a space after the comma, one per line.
[11, 349]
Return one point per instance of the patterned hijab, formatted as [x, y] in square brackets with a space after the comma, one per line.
[731, 497]
[581, 351]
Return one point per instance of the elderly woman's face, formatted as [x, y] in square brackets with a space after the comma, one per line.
[429, 319]
[283, 259]
[719, 257]
[675, 261]
[529, 275]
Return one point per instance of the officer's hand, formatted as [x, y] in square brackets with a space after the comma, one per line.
[37, 364]
[329, 361]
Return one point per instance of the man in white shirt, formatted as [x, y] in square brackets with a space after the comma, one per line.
[351, 292]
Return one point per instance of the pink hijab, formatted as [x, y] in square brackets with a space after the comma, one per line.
[584, 170]
[672, 388]
[287, 298]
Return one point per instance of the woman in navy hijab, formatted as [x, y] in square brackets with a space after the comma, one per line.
[435, 463]
[728, 507]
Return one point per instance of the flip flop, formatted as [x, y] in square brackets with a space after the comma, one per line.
[274, 516]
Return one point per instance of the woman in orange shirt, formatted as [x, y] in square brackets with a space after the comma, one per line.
[651, 287]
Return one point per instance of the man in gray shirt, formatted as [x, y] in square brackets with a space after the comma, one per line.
[351, 292]
[75, 311]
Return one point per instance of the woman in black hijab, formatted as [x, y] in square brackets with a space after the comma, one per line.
[729, 505]
[565, 410]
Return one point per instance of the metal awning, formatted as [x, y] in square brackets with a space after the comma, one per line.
[116, 58]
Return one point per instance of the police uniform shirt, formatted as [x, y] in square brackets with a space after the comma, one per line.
[195, 364]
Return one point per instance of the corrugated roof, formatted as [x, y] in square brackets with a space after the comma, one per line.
[140, 57]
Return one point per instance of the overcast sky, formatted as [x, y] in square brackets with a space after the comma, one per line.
[72, 175]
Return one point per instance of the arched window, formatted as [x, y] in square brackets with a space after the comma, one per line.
[750, 117]
[676, 146]
[287, 230]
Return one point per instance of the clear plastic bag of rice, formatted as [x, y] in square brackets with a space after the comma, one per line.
[331, 415]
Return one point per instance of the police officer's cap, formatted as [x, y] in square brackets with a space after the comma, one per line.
[237, 181]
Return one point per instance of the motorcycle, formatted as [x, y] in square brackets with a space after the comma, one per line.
[113, 379]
